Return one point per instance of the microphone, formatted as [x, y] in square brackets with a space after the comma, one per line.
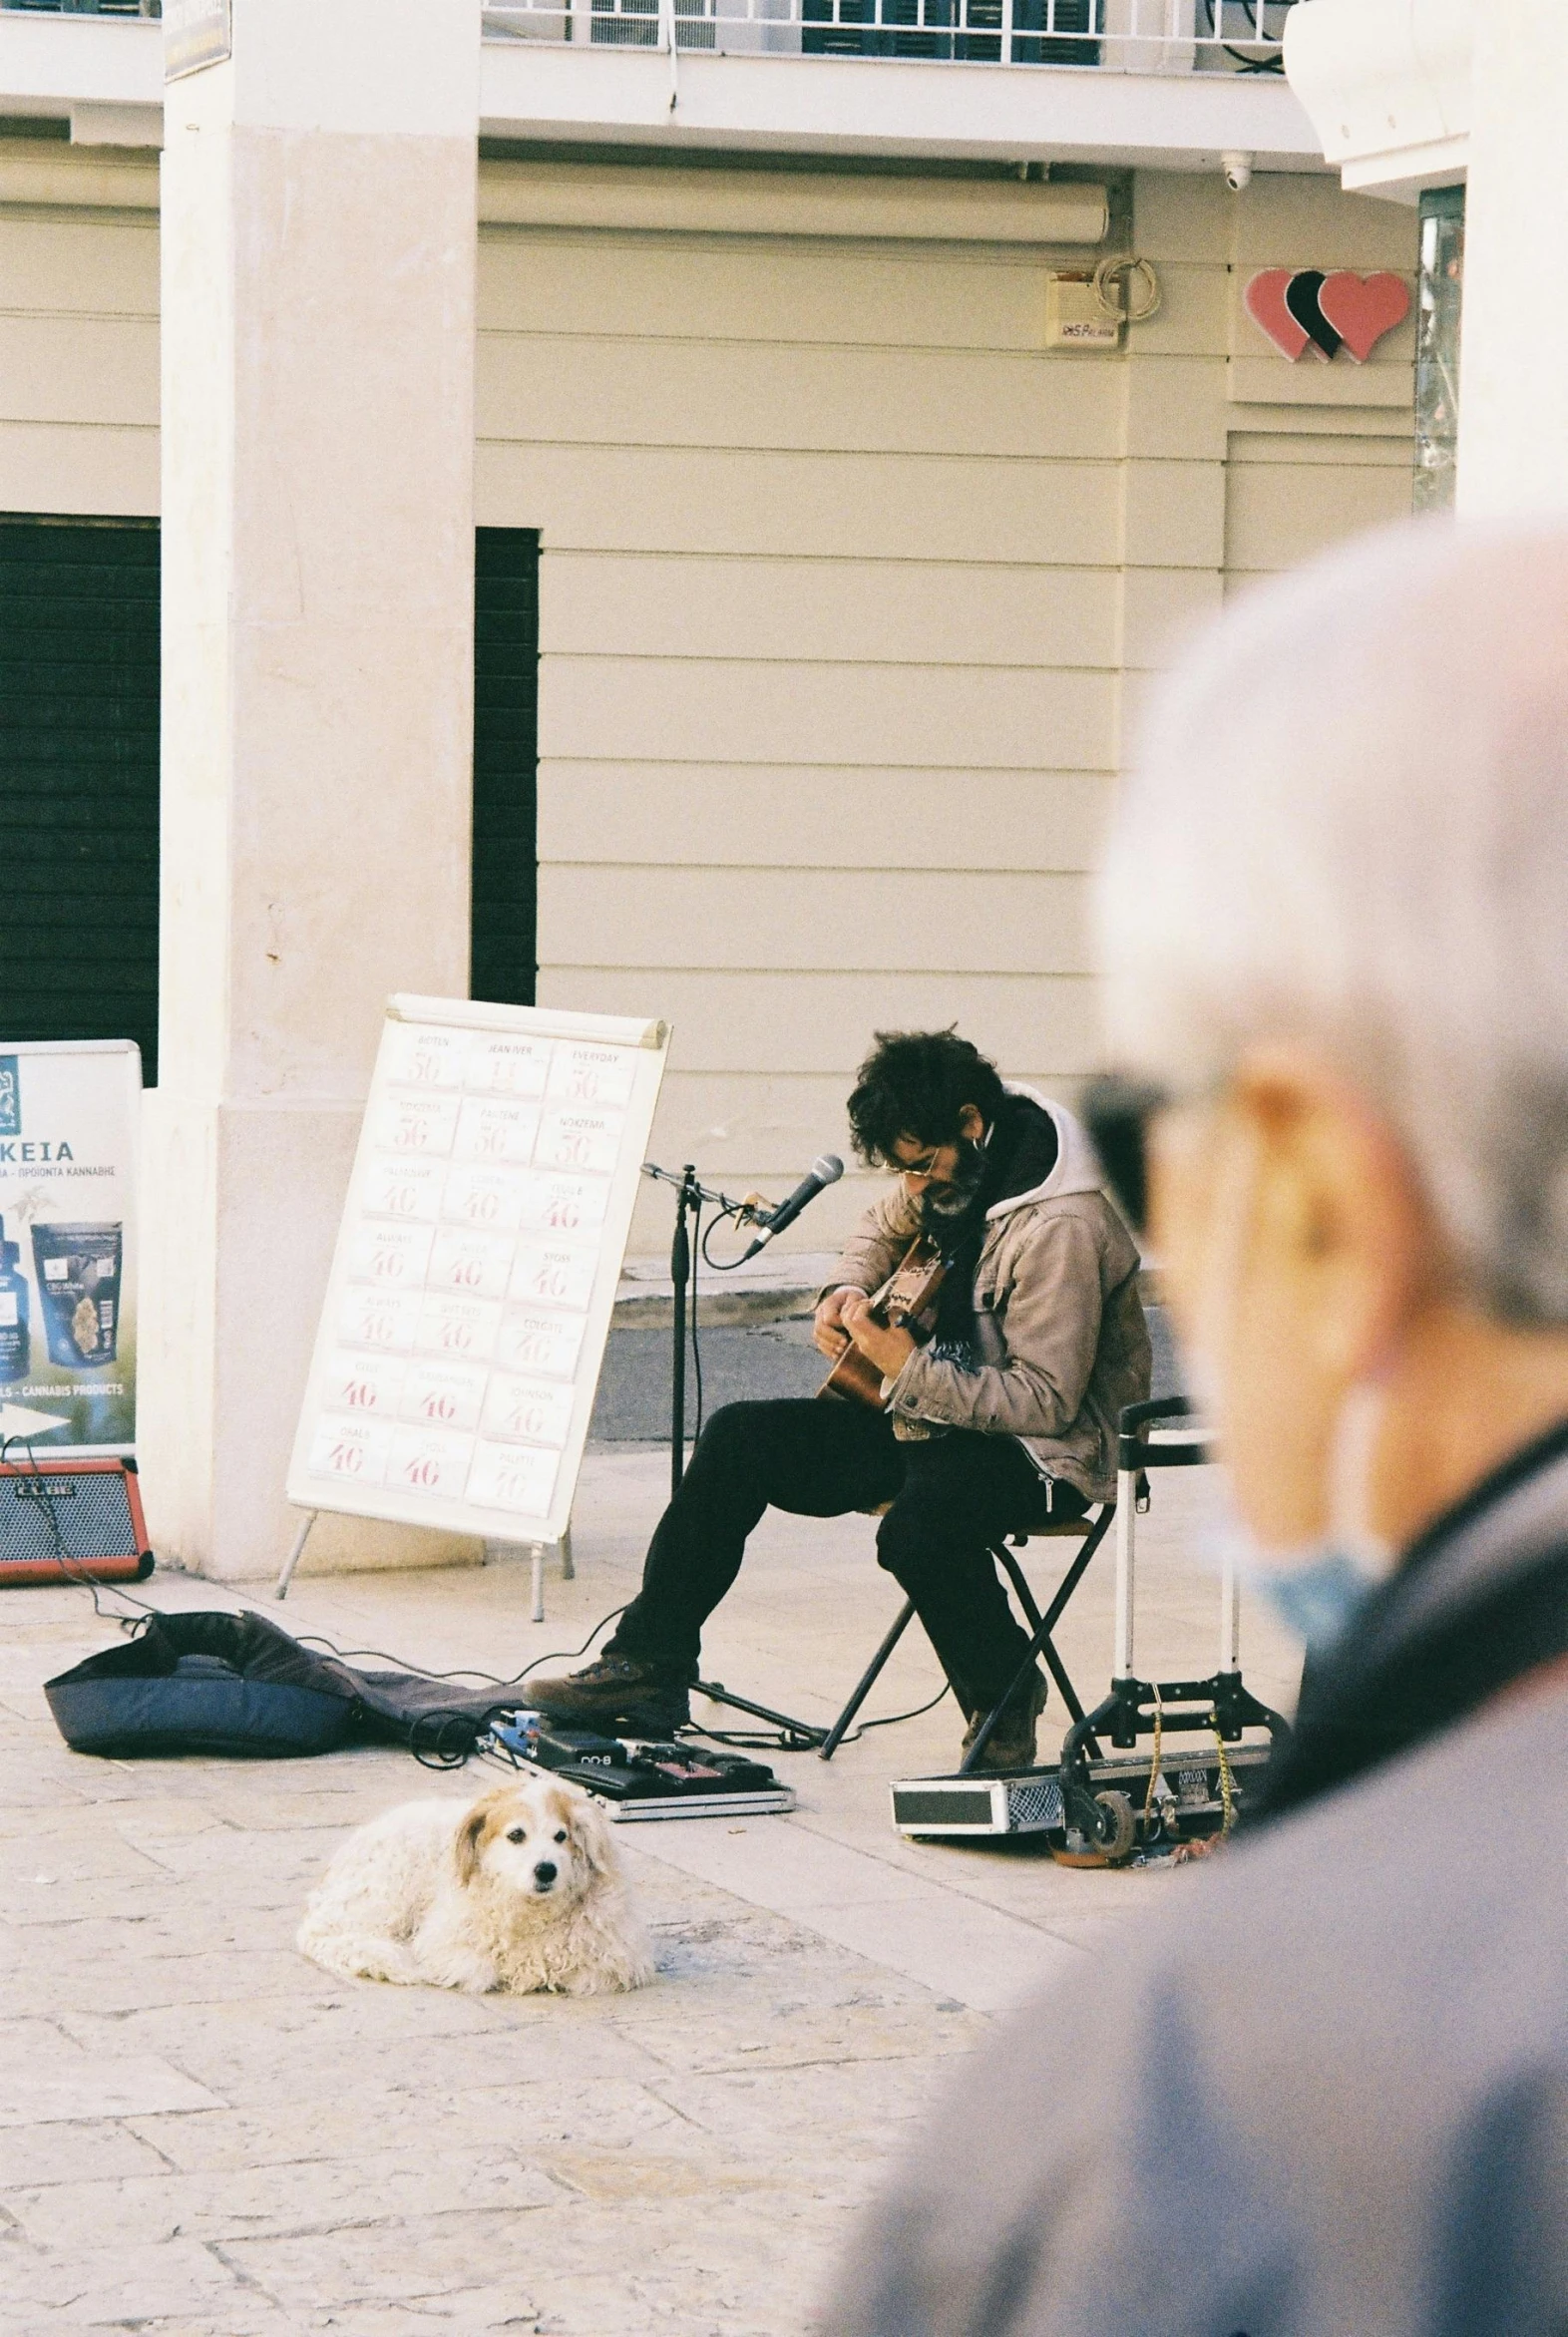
[825, 1171]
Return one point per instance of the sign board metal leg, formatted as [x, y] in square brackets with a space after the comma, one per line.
[568, 1570]
[1230, 1617]
[538, 1553]
[1126, 1505]
[295, 1554]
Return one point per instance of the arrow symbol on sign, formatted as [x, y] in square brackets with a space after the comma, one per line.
[17, 1421]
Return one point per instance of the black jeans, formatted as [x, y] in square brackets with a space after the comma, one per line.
[952, 1496]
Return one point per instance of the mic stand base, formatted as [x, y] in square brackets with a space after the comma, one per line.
[806, 1738]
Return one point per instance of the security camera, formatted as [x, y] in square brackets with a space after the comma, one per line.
[1238, 171]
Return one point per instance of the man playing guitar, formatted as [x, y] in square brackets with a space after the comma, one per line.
[1005, 1414]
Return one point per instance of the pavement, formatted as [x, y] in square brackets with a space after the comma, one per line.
[204, 2136]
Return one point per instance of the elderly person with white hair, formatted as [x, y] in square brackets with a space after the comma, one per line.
[1325, 2094]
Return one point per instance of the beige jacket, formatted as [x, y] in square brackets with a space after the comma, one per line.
[1059, 1336]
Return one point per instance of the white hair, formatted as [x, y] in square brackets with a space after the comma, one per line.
[1349, 826]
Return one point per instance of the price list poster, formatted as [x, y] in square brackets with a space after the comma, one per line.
[476, 1266]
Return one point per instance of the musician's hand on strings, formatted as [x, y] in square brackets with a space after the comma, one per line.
[889, 1349]
[828, 1333]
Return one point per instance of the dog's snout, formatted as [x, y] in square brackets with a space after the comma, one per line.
[545, 1873]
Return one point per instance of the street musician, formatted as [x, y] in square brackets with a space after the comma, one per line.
[1005, 1412]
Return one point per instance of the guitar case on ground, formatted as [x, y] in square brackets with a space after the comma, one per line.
[238, 1685]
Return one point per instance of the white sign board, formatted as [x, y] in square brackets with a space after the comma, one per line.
[70, 1111]
[476, 1267]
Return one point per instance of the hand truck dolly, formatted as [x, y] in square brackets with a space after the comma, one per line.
[1108, 1799]
[1102, 1820]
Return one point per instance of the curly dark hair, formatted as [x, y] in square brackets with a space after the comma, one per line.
[917, 1083]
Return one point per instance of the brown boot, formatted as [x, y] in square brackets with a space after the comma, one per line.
[613, 1692]
[1011, 1747]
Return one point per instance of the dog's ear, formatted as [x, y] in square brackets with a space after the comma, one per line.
[471, 1834]
[590, 1830]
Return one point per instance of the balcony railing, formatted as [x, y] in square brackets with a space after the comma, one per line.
[1121, 35]
[132, 8]
[1124, 36]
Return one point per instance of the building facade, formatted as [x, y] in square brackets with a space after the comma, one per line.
[848, 586]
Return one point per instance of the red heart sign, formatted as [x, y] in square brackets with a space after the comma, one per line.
[1362, 308]
[1265, 300]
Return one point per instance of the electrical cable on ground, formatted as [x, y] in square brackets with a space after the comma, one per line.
[781, 1739]
[439, 1755]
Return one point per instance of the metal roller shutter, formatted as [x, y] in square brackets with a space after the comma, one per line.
[502, 945]
[79, 760]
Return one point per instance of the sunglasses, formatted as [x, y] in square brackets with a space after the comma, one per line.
[1117, 1113]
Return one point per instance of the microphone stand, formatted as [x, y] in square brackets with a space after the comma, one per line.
[690, 1198]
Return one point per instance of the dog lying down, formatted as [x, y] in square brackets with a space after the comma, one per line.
[521, 1891]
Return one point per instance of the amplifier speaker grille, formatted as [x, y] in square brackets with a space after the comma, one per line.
[63, 1520]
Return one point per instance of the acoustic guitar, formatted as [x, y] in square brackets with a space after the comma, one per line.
[906, 1300]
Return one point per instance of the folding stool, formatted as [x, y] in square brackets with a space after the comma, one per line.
[1090, 1531]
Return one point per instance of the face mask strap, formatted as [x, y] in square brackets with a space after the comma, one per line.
[1353, 1456]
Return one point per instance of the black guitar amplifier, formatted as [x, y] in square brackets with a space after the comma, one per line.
[72, 1522]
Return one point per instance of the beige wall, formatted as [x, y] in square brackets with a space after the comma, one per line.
[848, 591]
[842, 574]
[77, 361]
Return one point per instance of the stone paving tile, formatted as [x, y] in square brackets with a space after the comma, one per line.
[69, 1900]
[254, 1870]
[45, 2076]
[257, 2072]
[344, 1805]
[309, 2017]
[313, 2195]
[47, 1862]
[132, 1979]
[466, 2312]
[359, 2264]
[789, 2035]
[782, 2112]
[141, 2283]
[78, 2149]
[506, 2118]
[750, 2266]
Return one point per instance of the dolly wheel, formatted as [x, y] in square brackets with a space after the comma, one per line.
[1118, 1843]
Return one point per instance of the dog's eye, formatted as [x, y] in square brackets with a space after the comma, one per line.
[519, 1834]
[560, 1837]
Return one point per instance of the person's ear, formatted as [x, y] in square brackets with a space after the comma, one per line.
[1340, 1224]
[971, 1122]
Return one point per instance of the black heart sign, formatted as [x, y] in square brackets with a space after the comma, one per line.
[1300, 298]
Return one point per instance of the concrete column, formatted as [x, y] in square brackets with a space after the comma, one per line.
[1514, 390]
[318, 285]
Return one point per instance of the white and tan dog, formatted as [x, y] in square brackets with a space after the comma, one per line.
[521, 1891]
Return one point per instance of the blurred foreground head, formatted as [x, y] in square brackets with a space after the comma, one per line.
[1335, 931]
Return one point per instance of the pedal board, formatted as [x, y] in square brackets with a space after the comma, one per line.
[641, 1781]
[1189, 1800]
